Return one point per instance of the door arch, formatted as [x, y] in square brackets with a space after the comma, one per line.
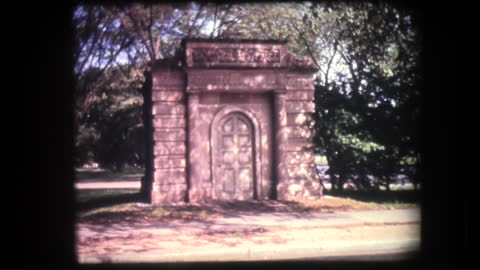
[235, 155]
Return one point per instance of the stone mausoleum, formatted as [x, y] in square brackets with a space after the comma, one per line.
[230, 120]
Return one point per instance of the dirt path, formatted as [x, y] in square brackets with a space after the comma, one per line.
[270, 236]
[122, 183]
[138, 247]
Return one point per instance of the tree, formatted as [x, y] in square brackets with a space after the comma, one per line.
[111, 132]
[133, 36]
[98, 43]
[380, 94]
[113, 43]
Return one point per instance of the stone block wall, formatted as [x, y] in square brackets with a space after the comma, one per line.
[299, 105]
[258, 81]
[169, 136]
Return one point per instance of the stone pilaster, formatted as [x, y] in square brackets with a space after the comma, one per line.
[302, 174]
[167, 124]
[281, 142]
[194, 154]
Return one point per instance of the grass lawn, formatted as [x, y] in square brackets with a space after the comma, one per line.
[89, 195]
[92, 174]
[332, 204]
[145, 212]
[400, 198]
[111, 205]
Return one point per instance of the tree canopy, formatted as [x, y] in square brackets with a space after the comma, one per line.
[367, 89]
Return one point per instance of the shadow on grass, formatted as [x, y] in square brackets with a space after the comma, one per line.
[88, 200]
[255, 207]
[380, 196]
[186, 212]
[110, 200]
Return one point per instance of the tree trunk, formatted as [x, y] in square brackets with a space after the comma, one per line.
[119, 166]
[321, 182]
[147, 180]
[333, 181]
[334, 185]
[341, 182]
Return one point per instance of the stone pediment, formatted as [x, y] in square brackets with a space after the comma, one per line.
[203, 53]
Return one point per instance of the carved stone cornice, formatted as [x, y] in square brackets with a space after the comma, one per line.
[211, 54]
[298, 64]
[249, 56]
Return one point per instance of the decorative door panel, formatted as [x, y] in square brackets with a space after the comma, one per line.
[234, 158]
[228, 183]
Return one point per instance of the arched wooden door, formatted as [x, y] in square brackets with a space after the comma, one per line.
[234, 158]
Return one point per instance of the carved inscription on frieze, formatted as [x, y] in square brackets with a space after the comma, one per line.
[232, 81]
[202, 56]
[255, 55]
[201, 80]
[242, 80]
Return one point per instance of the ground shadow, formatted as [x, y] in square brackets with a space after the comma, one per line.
[253, 207]
[110, 200]
[189, 212]
[379, 196]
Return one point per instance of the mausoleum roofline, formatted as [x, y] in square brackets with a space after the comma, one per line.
[233, 40]
[234, 54]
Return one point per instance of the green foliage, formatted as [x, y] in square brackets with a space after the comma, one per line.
[367, 118]
[111, 131]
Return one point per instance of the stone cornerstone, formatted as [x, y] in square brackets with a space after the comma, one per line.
[231, 120]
